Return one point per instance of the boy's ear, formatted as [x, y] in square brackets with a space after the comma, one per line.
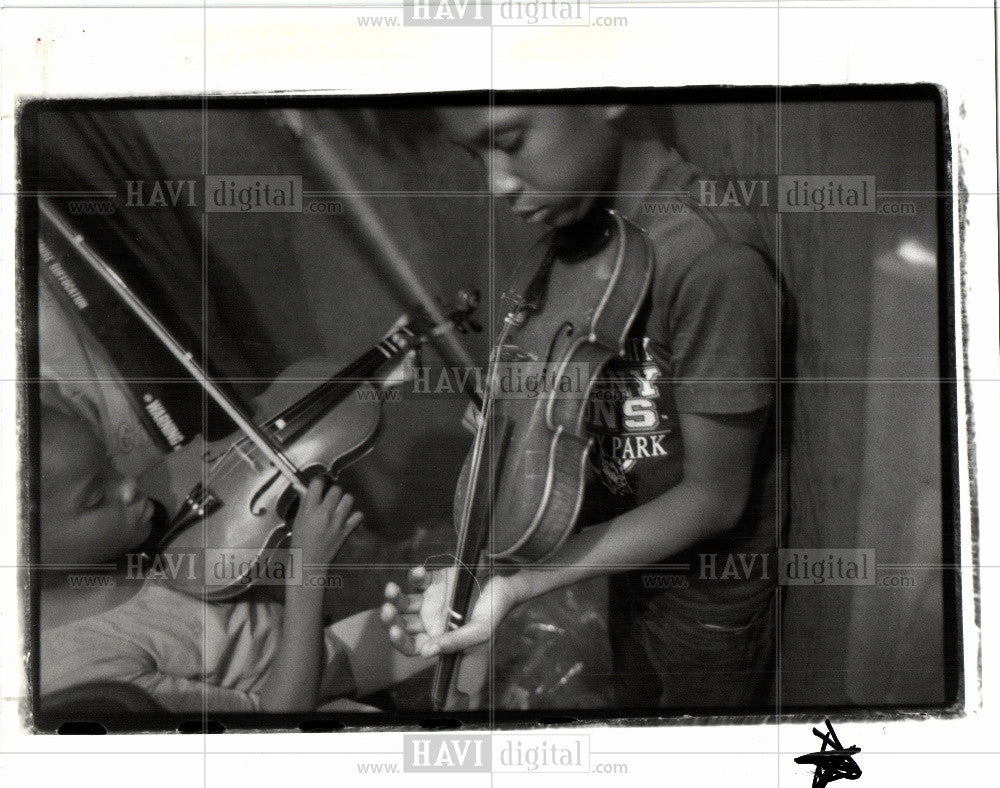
[614, 112]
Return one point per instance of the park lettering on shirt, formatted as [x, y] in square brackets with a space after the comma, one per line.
[631, 416]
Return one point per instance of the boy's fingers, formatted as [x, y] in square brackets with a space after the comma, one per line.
[343, 507]
[413, 624]
[456, 640]
[402, 641]
[314, 492]
[388, 614]
[333, 497]
[404, 603]
[397, 631]
[419, 579]
[409, 623]
[353, 521]
[394, 596]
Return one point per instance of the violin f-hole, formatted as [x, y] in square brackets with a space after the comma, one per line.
[255, 509]
[566, 329]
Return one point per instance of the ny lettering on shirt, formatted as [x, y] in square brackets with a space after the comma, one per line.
[633, 419]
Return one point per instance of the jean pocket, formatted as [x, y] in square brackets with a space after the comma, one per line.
[737, 620]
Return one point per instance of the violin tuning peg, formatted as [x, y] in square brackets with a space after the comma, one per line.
[468, 299]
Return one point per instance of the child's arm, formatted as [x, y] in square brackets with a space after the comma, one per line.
[718, 460]
[321, 527]
[374, 664]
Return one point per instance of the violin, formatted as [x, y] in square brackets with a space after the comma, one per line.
[232, 525]
[522, 485]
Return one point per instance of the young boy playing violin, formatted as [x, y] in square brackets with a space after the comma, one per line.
[682, 507]
[184, 654]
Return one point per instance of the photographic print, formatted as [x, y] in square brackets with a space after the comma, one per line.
[507, 407]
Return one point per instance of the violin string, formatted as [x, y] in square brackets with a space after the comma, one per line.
[456, 560]
[316, 402]
[244, 450]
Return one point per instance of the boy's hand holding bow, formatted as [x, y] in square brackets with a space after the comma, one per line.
[416, 620]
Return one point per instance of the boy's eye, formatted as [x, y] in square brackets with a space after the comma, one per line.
[473, 154]
[509, 140]
[95, 499]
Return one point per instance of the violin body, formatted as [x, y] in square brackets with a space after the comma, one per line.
[246, 519]
[540, 467]
[522, 486]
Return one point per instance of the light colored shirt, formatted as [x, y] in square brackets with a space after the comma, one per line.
[186, 654]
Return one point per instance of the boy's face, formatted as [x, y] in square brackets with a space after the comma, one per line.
[89, 512]
[551, 163]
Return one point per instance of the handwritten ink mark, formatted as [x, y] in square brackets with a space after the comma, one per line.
[832, 764]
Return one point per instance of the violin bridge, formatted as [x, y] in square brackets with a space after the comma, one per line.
[248, 456]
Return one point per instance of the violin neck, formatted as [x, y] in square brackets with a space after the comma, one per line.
[328, 394]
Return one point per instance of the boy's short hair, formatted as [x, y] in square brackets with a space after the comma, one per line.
[52, 416]
[412, 127]
[52, 422]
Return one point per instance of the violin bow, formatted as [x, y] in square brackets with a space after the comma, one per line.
[389, 257]
[271, 450]
[474, 529]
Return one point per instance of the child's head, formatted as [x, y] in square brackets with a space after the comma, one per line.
[552, 163]
[89, 512]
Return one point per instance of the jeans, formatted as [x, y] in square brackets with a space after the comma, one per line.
[683, 652]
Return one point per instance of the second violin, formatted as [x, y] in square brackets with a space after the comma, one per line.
[522, 486]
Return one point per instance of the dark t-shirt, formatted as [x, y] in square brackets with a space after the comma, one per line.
[705, 342]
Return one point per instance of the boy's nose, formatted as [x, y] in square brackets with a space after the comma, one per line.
[128, 491]
[504, 184]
